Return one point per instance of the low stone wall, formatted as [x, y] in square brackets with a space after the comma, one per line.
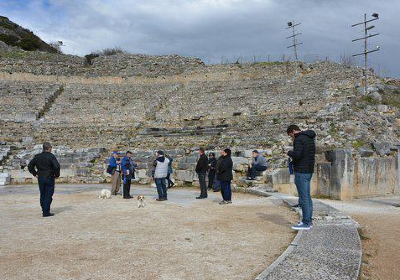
[343, 176]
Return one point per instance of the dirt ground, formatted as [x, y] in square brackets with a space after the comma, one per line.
[184, 238]
[380, 234]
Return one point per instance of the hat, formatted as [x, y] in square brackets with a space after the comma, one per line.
[159, 152]
[115, 153]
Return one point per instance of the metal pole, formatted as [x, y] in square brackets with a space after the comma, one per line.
[295, 49]
[366, 55]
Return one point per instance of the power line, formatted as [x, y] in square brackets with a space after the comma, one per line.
[292, 25]
[365, 38]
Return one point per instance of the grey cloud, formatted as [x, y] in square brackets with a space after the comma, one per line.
[213, 29]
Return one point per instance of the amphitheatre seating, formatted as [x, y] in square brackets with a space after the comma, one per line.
[23, 101]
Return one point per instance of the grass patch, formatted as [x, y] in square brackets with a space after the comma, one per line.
[358, 144]
[362, 234]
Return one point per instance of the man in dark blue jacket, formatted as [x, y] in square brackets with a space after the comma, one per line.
[303, 156]
[46, 168]
[128, 171]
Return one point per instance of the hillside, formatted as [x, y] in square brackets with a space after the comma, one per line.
[13, 35]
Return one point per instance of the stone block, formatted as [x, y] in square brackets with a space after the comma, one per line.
[186, 176]
[364, 152]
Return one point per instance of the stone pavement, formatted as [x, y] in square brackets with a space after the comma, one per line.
[330, 250]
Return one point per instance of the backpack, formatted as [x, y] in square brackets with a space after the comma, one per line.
[110, 170]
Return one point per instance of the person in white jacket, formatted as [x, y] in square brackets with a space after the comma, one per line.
[160, 174]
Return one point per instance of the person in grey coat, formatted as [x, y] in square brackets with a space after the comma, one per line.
[258, 164]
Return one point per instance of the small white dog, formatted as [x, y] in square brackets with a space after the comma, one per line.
[105, 194]
[140, 201]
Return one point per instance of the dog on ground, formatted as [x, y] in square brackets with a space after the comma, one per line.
[105, 194]
[140, 201]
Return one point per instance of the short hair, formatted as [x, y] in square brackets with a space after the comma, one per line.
[46, 146]
[228, 151]
[161, 153]
[128, 152]
[211, 154]
[292, 128]
[201, 149]
[255, 151]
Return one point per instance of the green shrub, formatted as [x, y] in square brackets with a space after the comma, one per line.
[9, 39]
[29, 44]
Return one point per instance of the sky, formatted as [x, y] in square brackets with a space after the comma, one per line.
[215, 30]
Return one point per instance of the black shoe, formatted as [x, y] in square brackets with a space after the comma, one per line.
[201, 197]
[48, 215]
[165, 198]
[160, 199]
[216, 190]
[296, 206]
[127, 197]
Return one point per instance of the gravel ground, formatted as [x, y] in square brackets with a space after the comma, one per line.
[380, 224]
[184, 238]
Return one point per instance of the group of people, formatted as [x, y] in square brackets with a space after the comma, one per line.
[46, 168]
[219, 174]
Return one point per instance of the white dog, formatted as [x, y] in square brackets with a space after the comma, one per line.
[140, 201]
[105, 194]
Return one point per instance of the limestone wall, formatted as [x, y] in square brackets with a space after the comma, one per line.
[345, 176]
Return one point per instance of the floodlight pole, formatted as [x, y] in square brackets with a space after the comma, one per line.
[292, 25]
[366, 52]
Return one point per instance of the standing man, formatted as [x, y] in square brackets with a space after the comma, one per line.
[115, 165]
[160, 174]
[127, 173]
[46, 168]
[303, 156]
[201, 170]
[258, 164]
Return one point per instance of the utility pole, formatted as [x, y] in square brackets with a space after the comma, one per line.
[292, 25]
[366, 51]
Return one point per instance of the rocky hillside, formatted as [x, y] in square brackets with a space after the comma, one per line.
[13, 35]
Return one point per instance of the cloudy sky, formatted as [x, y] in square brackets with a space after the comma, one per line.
[214, 30]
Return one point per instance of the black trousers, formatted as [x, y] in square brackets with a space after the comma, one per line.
[127, 187]
[211, 178]
[203, 186]
[170, 183]
[46, 188]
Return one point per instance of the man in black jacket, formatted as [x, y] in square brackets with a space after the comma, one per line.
[303, 156]
[224, 172]
[201, 170]
[46, 168]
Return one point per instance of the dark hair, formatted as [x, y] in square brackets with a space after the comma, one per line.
[292, 128]
[211, 154]
[228, 151]
[46, 146]
[255, 151]
[201, 149]
[159, 152]
[128, 152]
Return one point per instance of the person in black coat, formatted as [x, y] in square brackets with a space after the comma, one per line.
[201, 170]
[46, 168]
[303, 160]
[225, 176]
[212, 163]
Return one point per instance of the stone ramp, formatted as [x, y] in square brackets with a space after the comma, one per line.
[330, 250]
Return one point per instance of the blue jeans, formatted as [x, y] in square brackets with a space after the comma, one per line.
[46, 188]
[303, 182]
[161, 187]
[226, 190]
